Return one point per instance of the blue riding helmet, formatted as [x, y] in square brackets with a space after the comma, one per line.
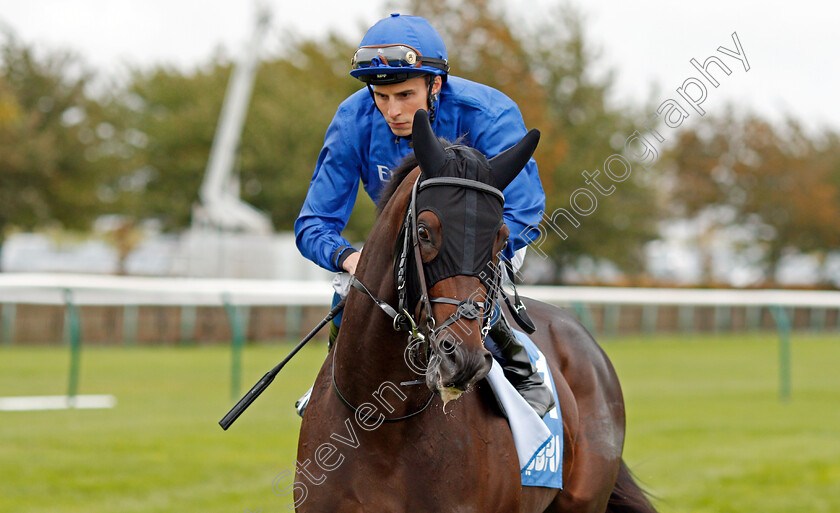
[398, 48]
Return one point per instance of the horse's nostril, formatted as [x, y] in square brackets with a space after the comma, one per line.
[488, 360]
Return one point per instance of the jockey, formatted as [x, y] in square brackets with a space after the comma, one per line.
[403, 62]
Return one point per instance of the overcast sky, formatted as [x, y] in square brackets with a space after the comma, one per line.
[791, 49]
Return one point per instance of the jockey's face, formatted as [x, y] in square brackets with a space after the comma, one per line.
[399, 102]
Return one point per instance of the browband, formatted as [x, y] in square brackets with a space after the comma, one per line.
[463, 182]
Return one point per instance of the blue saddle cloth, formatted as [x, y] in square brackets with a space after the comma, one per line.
[546, 465]
[539, 442]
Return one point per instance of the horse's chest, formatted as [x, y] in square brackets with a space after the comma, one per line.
[447, 465]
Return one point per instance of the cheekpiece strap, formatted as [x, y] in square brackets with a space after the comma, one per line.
[418, 259]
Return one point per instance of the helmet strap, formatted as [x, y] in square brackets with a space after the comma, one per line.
[372, 97]
[432, 99]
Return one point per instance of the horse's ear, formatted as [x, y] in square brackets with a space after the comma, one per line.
[507, 164]
[429, 151]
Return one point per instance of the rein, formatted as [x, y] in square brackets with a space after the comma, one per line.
[369, 416]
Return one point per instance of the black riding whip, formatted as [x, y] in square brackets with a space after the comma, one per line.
[266, 380]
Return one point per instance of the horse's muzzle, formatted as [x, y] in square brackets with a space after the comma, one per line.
[454, 371]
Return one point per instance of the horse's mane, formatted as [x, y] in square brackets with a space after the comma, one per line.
[398, 174]
[402, 170]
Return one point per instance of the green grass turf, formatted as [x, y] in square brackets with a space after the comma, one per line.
[706, 431]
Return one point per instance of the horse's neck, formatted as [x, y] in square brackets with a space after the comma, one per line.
[364, 325]
[370, 351]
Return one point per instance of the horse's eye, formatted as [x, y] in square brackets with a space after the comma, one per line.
[423, 234]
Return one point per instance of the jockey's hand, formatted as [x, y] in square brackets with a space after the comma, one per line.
[351, 262]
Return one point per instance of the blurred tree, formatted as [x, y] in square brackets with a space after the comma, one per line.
[173, 114]
[293, 101]
[549, 69]
[56, 142]
[776, 182]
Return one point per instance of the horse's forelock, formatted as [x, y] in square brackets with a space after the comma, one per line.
[402, 170]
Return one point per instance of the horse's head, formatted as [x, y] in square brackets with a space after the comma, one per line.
[457, 227]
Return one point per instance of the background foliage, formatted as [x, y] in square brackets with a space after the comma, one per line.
[73, 150]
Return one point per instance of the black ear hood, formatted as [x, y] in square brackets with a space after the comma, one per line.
[508, 164]
[429, 151]
[505, 166]
[462, 188]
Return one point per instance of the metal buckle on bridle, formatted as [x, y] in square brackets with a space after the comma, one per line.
[467, 309]
[404, 316]
[430, 320]
[431, 323]
[400, 321]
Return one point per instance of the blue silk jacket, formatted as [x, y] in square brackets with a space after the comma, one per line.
[359, 145]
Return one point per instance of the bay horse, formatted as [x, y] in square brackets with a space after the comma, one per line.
[374, 439]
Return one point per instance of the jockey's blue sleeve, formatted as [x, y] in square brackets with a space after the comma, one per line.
[524, 196]
[329, 202]
[523, 219]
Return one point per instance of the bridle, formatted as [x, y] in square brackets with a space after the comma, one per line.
[421, 333]
[467, 308]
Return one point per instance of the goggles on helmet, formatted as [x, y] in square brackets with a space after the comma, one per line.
[394, 56]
